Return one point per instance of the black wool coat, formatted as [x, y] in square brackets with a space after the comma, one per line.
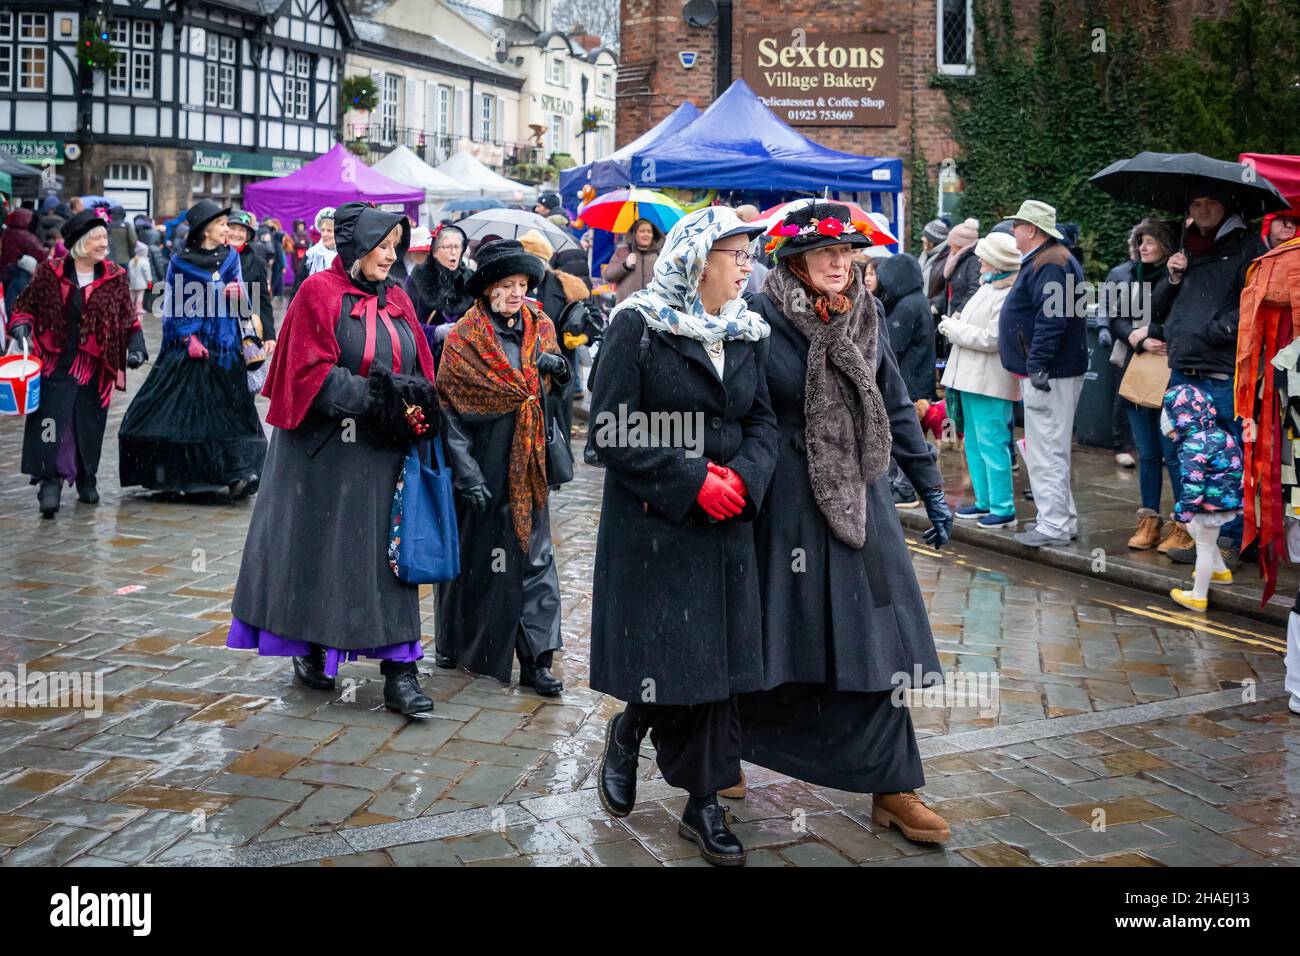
[675, 604]
[850, 618]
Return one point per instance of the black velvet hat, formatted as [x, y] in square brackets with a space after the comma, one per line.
[819, 224]
[79, 225]
[504, 257]
[200, 214]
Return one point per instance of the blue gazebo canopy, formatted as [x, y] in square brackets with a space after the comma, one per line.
[739, 144]
[615, 170]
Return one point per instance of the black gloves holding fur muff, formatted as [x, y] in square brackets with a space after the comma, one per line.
[385, 420]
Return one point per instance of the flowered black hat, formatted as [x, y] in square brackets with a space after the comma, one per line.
[815, 225]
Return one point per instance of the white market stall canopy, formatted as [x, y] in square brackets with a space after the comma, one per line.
[472, 178]
[404, 166]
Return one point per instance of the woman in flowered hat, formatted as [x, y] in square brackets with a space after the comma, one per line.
[845, 629]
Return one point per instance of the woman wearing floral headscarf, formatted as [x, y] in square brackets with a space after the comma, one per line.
[675, 621]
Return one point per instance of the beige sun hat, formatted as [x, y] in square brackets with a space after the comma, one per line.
[1039, 214]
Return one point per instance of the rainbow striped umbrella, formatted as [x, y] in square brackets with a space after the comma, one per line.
[617, 210]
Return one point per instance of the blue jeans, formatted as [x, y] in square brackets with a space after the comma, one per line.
[1221, 393]
[1153, 455]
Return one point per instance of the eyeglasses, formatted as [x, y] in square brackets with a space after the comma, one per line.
[742, 256]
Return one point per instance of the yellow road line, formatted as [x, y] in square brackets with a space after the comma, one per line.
[1199, 624]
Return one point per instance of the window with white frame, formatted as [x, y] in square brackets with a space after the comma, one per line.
[33, 63]
[133, 72]
[603, 84]
[487, 129]
[388, 106]
[219, 72]
[444, 111]
[297, 87]
[956, 37]
[555, 72]
[557, 141]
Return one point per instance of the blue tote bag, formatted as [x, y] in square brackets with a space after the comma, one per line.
[423, 541]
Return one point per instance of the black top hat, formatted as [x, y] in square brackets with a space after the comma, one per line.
[820, 224]
[200, 214]
[504, 257]
[80, 224]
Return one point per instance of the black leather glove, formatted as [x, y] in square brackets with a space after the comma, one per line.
[21, 334]
[134, 358]
[1104, 338]
[1038, 379]
[940, 515]
[552, 364]
[478, 496]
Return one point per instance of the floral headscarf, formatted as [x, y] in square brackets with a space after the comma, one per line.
[671, 302]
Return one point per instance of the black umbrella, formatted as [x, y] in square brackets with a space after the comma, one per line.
[1169, 181]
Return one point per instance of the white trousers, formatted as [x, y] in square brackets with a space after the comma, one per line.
[1293, 658]
[1049, 433]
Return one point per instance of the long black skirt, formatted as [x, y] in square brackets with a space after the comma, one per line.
[192, 428]
[63, 437]
[860, 742]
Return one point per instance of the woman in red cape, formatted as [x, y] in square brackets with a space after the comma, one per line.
[349, 366]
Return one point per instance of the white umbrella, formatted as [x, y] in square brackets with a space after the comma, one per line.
[513, 223]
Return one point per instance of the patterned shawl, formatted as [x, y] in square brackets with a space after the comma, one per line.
[671, 302]
[476, 378]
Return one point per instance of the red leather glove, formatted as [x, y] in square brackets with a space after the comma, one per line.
[196, 349]
[731, 477]
[718, 499]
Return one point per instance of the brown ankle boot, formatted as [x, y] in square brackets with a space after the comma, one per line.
[1178, 538]
[1147, 535]
[906, 811]
[737, 792]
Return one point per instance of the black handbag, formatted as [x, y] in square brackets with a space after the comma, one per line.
[559, 459]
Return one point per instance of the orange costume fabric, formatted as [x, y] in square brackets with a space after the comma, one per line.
[1270, 319]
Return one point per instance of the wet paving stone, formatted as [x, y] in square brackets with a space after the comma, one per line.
[201, 748]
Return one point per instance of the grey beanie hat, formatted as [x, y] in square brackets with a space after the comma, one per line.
[936, 230]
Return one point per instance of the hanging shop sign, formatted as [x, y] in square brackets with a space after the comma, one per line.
[824, 79]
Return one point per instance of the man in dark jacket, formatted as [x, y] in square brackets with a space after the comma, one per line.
[1199, 308]
[121, 237]
[1042, 336]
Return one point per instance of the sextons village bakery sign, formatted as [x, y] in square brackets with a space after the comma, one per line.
[824, 79]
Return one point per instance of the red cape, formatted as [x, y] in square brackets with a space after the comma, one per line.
[306, 349]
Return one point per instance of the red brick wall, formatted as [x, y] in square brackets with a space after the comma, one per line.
[652, 81]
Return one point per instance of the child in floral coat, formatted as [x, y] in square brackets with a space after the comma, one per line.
[1211, 464]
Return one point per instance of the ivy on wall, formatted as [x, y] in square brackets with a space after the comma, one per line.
[1038, 119]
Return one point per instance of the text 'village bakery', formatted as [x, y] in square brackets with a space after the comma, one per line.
[824, 79]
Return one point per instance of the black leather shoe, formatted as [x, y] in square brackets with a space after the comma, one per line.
[706, 827]
[445, 661]
[310, 670]
[86, 490]
[402, 692]
[48, 495]
[617, 781]
[539, 679]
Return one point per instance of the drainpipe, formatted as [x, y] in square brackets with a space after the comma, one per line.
[722, 69]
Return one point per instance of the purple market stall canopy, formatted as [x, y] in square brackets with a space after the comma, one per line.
[337, 177]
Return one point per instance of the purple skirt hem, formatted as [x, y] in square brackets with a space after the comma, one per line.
[246, 637]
